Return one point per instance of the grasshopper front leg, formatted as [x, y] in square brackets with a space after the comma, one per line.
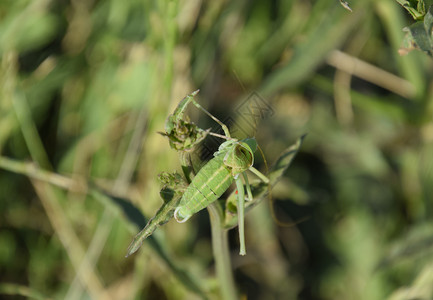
[241, 207]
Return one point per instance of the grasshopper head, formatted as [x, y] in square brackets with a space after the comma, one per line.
[241, 157]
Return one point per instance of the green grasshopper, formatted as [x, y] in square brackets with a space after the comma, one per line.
[232, 159]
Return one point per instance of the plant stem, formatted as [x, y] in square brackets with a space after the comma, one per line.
[33, 171]
[221, 254]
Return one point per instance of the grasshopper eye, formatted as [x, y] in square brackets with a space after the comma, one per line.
[245, 154]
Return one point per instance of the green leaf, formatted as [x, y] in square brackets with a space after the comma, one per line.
[173, 188]
[419, 35]
[415, 7]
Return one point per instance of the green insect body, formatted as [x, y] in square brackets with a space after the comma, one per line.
[233, 157]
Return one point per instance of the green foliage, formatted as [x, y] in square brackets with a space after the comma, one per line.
[85, 87]
[171, 193]
[418, 35]
[415, 7]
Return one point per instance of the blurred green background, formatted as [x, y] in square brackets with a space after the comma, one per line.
[86, 85]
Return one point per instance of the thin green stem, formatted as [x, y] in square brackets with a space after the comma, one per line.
[33, 171]
[30, 132]
[21, 290]
[221, 254]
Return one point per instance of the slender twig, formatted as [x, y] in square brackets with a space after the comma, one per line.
[366, 71]
[29, 131]
[33, 171]
[21, 290]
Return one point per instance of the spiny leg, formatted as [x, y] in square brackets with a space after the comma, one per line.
[241, 200]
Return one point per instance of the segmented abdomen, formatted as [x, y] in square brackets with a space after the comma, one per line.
[207, 186]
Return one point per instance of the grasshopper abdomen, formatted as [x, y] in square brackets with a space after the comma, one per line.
[207, 186]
